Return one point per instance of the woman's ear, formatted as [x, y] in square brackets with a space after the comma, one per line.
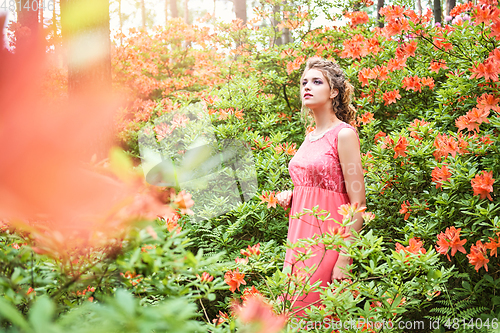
[334, 93]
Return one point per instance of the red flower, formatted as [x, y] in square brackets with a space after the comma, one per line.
[397, 63]
[357, 17]
[437, 65]
[427, 81]
[477, 256]
[256, 312]
[440, 175]
[400, 147]
[415, 247]
[366, 118]
[365, 74]
[482, 184]
[380, 73]
[250, 292]
[234, 279]
[450, 239]
[379, 135]
[493, 245]
[391, 96]
[269, 198]
[412, 83]
[405, 209]
[254, 250]
[488, 102]
[489, 69]
[205, 277]
[484, 14]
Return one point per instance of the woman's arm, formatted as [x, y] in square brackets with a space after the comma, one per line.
[350, 161]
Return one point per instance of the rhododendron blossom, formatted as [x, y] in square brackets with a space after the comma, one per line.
[450, 239]
[482, 184]
[440, 175]
[477, 256]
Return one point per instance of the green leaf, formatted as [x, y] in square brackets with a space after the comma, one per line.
[10, 313]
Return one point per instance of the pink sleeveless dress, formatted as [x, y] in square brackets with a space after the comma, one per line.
[318, 180]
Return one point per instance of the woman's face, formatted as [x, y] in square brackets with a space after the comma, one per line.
[315, 90]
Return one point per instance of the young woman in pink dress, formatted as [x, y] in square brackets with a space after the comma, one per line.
[326, 171]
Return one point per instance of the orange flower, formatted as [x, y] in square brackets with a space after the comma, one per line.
[357, 17]
[412, 83]
[478, 115]
[380, 72]
[243, 261]
[234, 279]
[271, 199]
[400, 147]
[183, 201]
[221, 317]
[493, 245]
[440, 175]
[445, 145]
[379, 135]
[395, 64]
[488, 102]
[348, 209]
[256, 312]
[427, 81]
[483, 184]
[390, 96]
[366, 118]
[254, 250]
[405, 209]
[484, 14]
[437, 65]
[477, 256]
[205, 277]
[450, 239]
[250, 292]
[415, 246]
[365, 74]
[489, 69]
[294, 65]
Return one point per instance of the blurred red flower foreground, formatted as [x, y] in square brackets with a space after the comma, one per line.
[50, 182]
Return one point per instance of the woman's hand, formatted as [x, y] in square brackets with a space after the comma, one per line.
[339, 268]
[284, 198]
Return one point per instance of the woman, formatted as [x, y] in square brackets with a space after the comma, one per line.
[326, 171]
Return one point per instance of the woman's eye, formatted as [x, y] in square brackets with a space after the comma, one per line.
[317, 82]
[304, 83]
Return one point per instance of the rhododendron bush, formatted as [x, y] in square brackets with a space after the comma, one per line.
[428, 103]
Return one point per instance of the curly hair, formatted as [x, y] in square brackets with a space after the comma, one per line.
[342, 106]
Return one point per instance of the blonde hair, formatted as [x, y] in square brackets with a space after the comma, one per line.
[341, 103]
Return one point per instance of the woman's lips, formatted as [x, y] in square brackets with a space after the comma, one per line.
[307, 95]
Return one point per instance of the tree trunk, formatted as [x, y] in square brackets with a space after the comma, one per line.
[450, 4]
[380, 4]
[186, 11]
[286, 32]
[437, 11]
[174, 12]
[87, 70]
[240, 9]
[276, 21]
[88, 52]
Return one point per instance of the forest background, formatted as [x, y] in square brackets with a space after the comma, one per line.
[140, 168]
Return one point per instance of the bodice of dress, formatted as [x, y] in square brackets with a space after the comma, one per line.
[316, 163]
